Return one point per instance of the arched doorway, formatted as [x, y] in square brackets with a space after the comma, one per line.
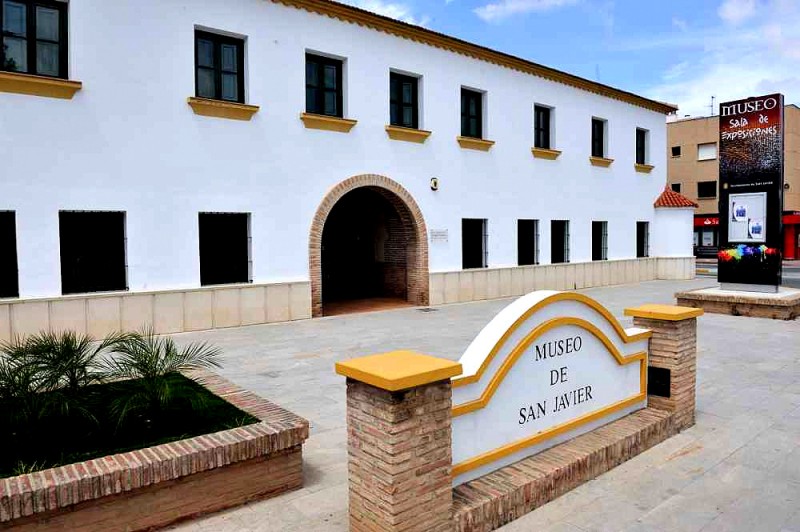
[368, 243]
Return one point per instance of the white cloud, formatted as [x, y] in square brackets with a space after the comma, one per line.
[506, 8]
[737, 11]
[759, 57]
[395, 10]
[680, 23]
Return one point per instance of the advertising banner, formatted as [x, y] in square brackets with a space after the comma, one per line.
[751, 193]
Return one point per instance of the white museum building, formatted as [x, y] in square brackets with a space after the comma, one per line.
[200, 164]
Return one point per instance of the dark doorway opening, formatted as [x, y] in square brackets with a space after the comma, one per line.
[92, 251]
[9, 277]
[224, 248]
[366, 244]
[474, 237]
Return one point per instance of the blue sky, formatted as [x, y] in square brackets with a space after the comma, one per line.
[679, 51]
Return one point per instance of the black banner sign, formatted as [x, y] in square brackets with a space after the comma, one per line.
[751, 193]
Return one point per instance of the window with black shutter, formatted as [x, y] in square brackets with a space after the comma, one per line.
[324, 94]
[598, 137]
[34, 37]
[92, 251]
[599, 240]
[559, 241]
[541, 127]
[403, 101]
[642, 239]
[219, 67]
[224, 248]
[471, 113]
[641, 146]
[9, 277]
[527, 242]
[474, 243]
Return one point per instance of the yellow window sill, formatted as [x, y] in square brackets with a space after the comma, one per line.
[327, 123]
[545, 153]
[38, 85]
[470, 143]
[222, 109]
[601, 161]
[643, 168]
[407, 134]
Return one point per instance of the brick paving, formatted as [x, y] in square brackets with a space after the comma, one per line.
[737, 469]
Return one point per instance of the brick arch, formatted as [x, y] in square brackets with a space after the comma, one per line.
[418, 290]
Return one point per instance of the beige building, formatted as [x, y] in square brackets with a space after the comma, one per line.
[693, 170]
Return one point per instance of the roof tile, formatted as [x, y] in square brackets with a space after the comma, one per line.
[670, 198]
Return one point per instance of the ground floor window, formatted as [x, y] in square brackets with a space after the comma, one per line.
[9, 278]
[92, 251]
[225, 248]
[599, 240]
[642, 239]
[527, 242]
[474, 243]
[559, 241]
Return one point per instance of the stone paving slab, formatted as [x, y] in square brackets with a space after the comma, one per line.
[737, 469]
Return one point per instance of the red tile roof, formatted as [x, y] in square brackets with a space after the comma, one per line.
[670, 198]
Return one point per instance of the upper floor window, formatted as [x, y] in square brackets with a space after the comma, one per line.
[34, 37]
[706, 189]
[541, 127]
[471, 113]
[641, 146]
[676, 151]
[403, 100]
[707, 152]
[324, 94]
[219, 62]
[598, 137]
[676, 187]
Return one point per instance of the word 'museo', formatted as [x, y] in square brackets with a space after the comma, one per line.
[549, 350]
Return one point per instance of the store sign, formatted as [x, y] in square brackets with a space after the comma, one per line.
[547, 368]
[751, 193]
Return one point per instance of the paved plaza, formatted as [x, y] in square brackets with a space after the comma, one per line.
[737, 469]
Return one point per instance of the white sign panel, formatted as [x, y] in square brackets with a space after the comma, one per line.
[438, 235]
[550, 366]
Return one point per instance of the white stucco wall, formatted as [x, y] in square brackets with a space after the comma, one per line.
[128, 141]
[671, 232]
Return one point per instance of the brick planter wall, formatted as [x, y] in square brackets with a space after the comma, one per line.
[159, 485]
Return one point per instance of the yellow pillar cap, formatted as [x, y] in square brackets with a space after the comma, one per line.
[398, 370]
[664, 312]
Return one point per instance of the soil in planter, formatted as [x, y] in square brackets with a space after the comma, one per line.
[55, 432]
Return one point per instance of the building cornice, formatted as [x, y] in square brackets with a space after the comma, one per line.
[391, 26]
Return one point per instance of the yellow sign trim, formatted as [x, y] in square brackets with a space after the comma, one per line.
[561, 296]
[519, 349]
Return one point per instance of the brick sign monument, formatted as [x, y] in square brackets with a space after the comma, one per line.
[551, 393]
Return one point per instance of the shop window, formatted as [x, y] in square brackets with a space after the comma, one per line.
[219, 67]
[559, 241]
[676, 187]
[403, 100]
[34, 37]
[9, 276]
[542, 126]
[706, 189]
[676, 151]
[92, 251]
[224, 248]
[599, 240]
[527, 242]
[324, 91]
[642, 239]
[471, 113]
[474, 243]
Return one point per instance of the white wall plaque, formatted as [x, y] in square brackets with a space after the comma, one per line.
[547, 368]
[438, 235]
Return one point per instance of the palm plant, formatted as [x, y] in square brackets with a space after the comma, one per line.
[152, 366]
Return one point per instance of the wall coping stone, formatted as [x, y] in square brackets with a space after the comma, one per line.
[68, 485]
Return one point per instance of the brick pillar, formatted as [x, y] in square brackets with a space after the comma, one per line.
[399, 441]
[672, 360]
